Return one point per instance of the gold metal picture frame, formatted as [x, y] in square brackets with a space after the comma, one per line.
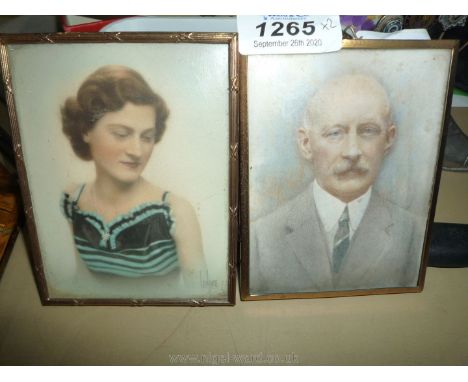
[340, 166]
[126, 147]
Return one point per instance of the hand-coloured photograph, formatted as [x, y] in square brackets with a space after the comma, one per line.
[340, 167]
[126, 164]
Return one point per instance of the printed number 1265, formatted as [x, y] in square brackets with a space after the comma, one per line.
[292, 28]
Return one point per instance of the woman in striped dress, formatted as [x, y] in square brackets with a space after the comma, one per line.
[122, 224]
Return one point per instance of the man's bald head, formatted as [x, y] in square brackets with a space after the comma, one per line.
[348, 89]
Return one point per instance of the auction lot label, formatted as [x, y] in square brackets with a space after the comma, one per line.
[283, 34]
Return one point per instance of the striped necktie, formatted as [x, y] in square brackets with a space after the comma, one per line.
[341, 240]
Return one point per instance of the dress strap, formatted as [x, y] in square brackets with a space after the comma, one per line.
[78, 192]
[165, 195]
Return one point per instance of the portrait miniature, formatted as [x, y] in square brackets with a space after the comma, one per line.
[356, 238]
[125, 164]
[123, 224]
[339, 191]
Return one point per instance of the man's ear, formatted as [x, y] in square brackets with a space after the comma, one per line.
[304, 144]
[390, 138]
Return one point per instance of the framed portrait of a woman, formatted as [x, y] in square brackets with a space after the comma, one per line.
[126, 147]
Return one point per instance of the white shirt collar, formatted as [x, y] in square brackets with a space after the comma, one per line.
[330, 208]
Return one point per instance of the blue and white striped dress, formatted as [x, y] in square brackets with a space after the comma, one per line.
[138, 243]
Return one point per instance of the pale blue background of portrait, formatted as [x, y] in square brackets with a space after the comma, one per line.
[191, 160]
[279, 87]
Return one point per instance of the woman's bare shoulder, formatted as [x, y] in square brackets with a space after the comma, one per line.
[72, 188]
[179, 203]
[181, 208]
[151, 192]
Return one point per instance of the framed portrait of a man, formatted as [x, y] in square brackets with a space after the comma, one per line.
[340, 165]
[126, 151]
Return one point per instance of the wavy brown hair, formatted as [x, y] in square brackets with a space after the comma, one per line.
[107, 89]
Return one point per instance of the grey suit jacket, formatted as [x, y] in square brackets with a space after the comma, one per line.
[289, 254]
